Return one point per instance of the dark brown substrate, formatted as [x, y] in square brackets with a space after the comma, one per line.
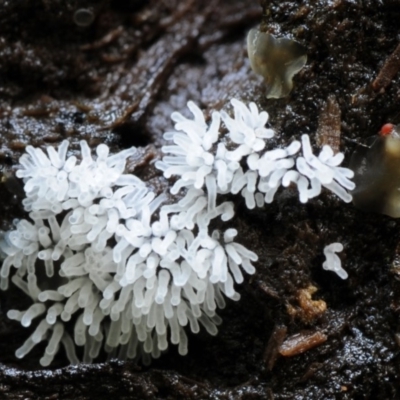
[116, 82]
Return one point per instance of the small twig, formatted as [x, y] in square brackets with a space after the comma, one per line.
[104, 41]
[123, 116]
[355, 142]
[388, 71]
[275, 341]
[301, 342]
[178, 14]
[328, 132]
[268, 290]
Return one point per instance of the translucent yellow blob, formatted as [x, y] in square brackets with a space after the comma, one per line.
[377, 176]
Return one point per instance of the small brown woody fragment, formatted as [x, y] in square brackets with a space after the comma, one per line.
[328, 131]
[301, 342]
[388, 71]
[312, 369]
[274, 343]
[105, 40]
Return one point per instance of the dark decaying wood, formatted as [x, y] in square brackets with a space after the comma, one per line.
[117, 81]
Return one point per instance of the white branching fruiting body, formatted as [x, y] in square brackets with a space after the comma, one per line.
[249, 168]
[93, 253]
[333, 262]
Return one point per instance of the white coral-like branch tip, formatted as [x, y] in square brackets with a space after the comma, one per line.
[333, 262]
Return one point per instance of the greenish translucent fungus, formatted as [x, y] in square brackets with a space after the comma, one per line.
[377, 174]
[277, 60]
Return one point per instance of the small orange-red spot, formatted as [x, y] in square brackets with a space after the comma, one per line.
[386, 129]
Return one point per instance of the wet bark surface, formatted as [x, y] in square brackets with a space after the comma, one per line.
[298, 332]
